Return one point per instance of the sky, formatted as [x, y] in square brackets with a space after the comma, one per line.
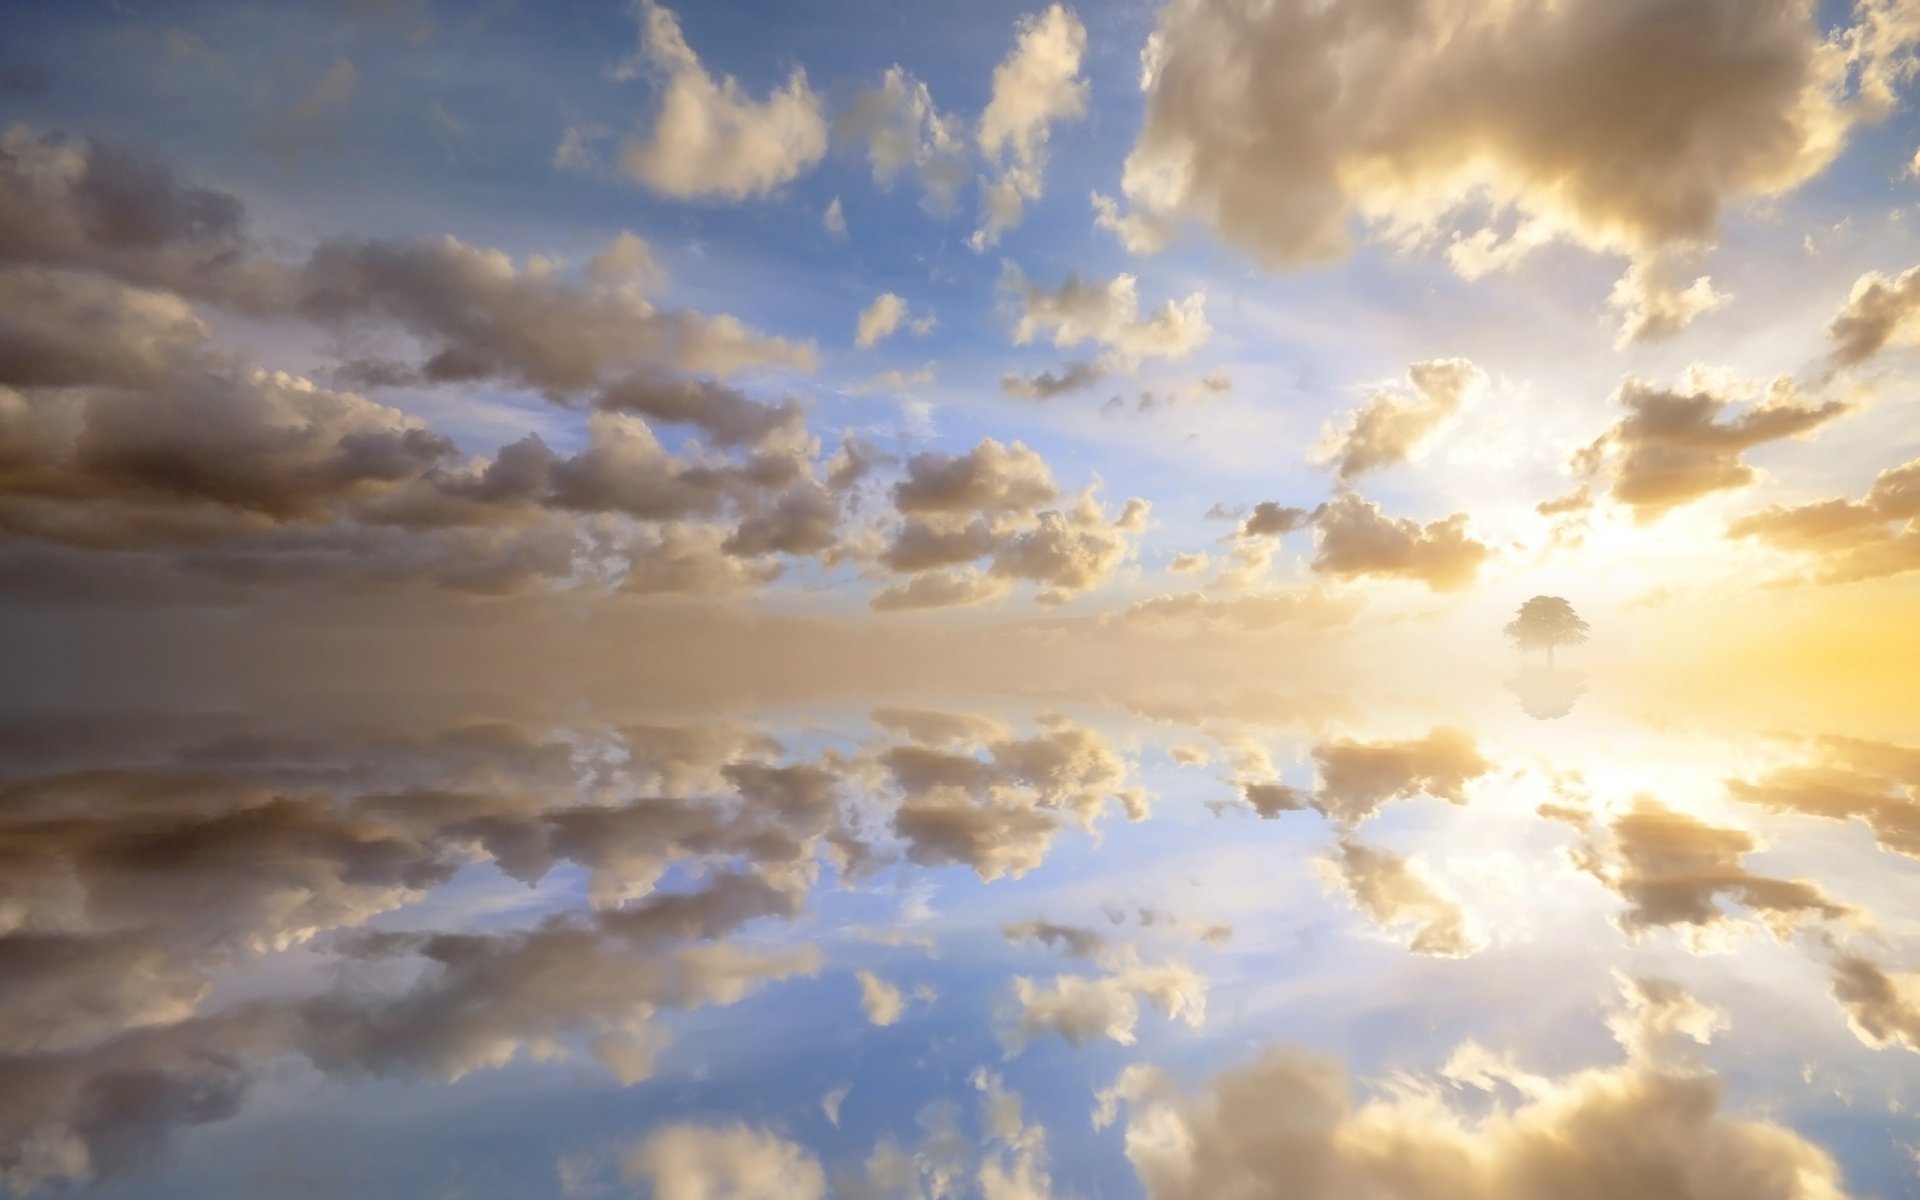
[773, 600]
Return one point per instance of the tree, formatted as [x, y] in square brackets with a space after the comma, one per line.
[1545, 622]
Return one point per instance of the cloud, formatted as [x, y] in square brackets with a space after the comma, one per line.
[905, 132]
[165, 858]
[834, 220]
[1879, 312]
[1672, 869]
[482, 316]
[1287, 1122]
[688, 1161]
[1037, 84]
[880, 1000]
[1672, 448]
[986, 503]
[1502, 131]
[1654, 299]
[1073, 377]
[1357, 540]
[939, 589]
[1107, 314]
[578, 149]
[1852, 780]
[1355, 779]
[627, 259]
[992, 478]
[98, 206]
[1270, 519]
[204, 452]
[831, 1102]
[1881, 1009]
[879, 320]
[995, 805]
[1395, 891]
[710, 139]
[1079, 1008]
[62, 329]
[1074, 941]
[1392, 425]
[1848, 540]
[727, 415]
[897, 380]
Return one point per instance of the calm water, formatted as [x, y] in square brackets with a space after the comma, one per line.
[1248, 945]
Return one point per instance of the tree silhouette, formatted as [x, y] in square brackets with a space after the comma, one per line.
[1545, 622]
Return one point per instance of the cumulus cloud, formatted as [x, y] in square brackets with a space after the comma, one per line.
[1107, 314]
[1882, 1009]
[1073, 377]
[1396, 891]
[1879, 312]
[987, 503]
[688, 1161]
[126, 887]
[1655, 300]
[1271, 519]
[214, 479]
[1075, 941]
[1501, 131]
[101, 207]
[940, 589]
[1848, 540]
[710, 139]
[1673, 448]
[483, 316]
[1037, 84]
[996, 805]
[905, 131]
[1079, 1008]
[1355, 779]
[1287, 1121]
[881, 1001]
[1851, 780]
[64, 329]
[1392, 425]
[992, 478]
[879, 320]
[1672, 869]
[1357, 540]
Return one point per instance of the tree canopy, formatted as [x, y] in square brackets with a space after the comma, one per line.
[1545, 622]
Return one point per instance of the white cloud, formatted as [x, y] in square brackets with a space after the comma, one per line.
[702, 1162]
[1619, 127]
[905, 131]
[1107, 313]
[881, 1001]
[879, 320]
[710, 139]
[1037, 84]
